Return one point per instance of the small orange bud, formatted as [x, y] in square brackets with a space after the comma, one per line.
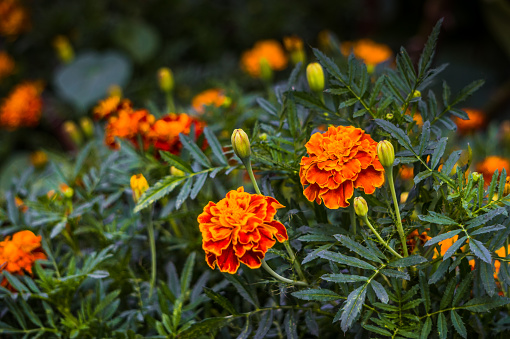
[20, 204]
[386, 153]
[67, 191]
[241, 144]
[138, 185]
[360, 206]
[165, 79]
[315, 77]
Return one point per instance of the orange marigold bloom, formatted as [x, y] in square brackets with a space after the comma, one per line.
[127, 125]
[490, 164]
[476, 121]
[367, 50]
[240, 229]
[13, 18]
[270, 50]
[17, 255]
[211, 97]
[110, 106]
[164, 133]
[413, 238]
[341, 159]
[407, 172]
[22, 108]
[6, 65]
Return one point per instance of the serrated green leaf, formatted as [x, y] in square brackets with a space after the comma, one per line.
[310, 101]
[158, 191]
[329, 65]
[316, 237]
[487, 277]
[422, 176]
[376, 91]
[343, 278]
[290, 325]
[316, 294]
[343, 259]
[174, 160]
[479, 250]
[396, 133]
[484, 218]
[408, 261]
[438, 152]
[395, 274]
[379, 291]
[448, 294]
[412, 304]
[442, 327]
[267, 106]
[352, 307]
[488, 229]
[463, 289]
[187, 272]
[454, 247]
[194, 150]
[466, 92]
[425, 330]
[377, 330]
[264, 325]
[441, 237]
[242, 288]
[215, 146]
[206, 326]
[357, 248]
[428, 50]
[183, 194]
[450, 162]
[425, 291]
[485, 303]
[220, 300]
[439, 273]
[425, 137]
[440, 219]
[199, 183]
[458, 324]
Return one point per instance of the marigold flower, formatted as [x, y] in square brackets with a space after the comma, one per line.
[17, 255]
[475, 122]
[110, 106]
[294, 45]
[367, 50]
[490, 164]
[13, 18]
[6, 65]
[138, 185]
[270, 51]
[22, 108]
[127, 125]
[211, 97]
[406, 172]
[341, 159]
[240, 229]
[164, 133]
[413, 237]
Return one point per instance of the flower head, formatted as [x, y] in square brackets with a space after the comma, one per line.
[211, 97]
[6, 65]
[110, 106]
[138, 185]
[267, 51]
[164, 133]
[369, 51]
[127, 125]
[490, 164]
[240, 229]
[341, 159]
[22, 108]
[13, 18]
[17, 255]
[414, 237]
[476, 121]
[294, 45]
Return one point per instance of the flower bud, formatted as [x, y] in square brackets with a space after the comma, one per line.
[115, 91]
[294, 45]
[476, 176]
[416, 94]
[138, 185]
[389, 116]
[166, 79]
[360, 206]
[386, 153]
[67, 191]
[87, 127]
[64, 49]
[506, 191]
[241, 144]
[73, 132]
[39, 159]
[315, 77]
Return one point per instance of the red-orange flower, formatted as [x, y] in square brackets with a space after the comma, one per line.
[341, 159]
[490, 164]
[164, 133]
[110, 106]
[6, 65]
[13, 18]
[269, 50]
[17, 255]
[128, 124]
[240, 229]
[211, 97]
[413, 238]
[22, 108]
[367, 50]
[475, 122]
[407, 172]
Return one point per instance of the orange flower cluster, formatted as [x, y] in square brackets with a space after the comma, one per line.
[476, 121]
[13, 18]
[6, 65]
[490, 164]
[406, 172]
[211, 97]
[341, 159]
[127, 123]
[414, 237]
[17, 255]
[240, 229]
[22, 108]
[367, 50]
[269, 50]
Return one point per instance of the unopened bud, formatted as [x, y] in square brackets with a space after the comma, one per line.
[67, 191]
[266, 73]
[87, 127]
[138, 185]
[370, 68]
[315, 77]
[176, 172]
[416, 94]
[360, 206]
[115, 91]
[263, 136]
[64, 49]
[73, 132]
[165, 79]
[476, 176]
[294, 45]
[386, 153]
[39, 159]
[241, 144]
[506, 191]
[389, 116]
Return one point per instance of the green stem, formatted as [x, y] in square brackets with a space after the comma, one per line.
[296, 264]
[170, 106]
[389, 176]
[247, 164]
[352, 214]
[279, 277]
[367, 222]
[152, 243]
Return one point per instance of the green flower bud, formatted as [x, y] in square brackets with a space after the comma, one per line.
[389, 116]
[360, 206]
[315, 77]
[386, 153]
[416, 94]
[241, 144]
[476, 176]
[165, 79]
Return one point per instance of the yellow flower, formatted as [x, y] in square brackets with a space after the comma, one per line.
[138, 185]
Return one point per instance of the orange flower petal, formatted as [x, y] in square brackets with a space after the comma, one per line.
[369, 179]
